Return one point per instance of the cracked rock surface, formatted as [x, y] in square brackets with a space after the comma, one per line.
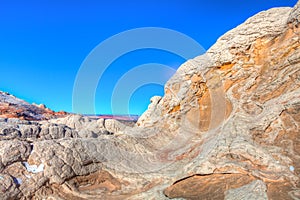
[228, 127]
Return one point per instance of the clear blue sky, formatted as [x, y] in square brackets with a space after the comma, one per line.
[43, 42]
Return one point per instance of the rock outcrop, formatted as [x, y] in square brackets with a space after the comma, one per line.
[228, 127]
[12, 107]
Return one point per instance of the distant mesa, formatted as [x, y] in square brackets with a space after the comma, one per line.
[116, 117]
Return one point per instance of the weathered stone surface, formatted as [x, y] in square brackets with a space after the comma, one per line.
[114, 126]
[226, 128]
[13, 150]
[255, 190]
[8, 187]
[234, 45]
[294, 17]
[31, 131]
[89, 126]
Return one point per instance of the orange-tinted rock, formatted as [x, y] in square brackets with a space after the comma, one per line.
[12, 107]
[207, 187]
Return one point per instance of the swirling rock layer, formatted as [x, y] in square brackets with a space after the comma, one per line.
[228, 127]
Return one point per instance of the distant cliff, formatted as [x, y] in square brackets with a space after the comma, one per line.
[12, 107]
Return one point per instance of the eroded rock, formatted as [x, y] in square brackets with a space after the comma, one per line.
[226, 128]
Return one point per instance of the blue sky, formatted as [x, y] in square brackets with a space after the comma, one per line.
[43, 43]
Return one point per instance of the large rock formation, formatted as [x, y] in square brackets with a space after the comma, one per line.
[12, 107]
[228, 127]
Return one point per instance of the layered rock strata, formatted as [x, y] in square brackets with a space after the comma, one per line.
[228, 127]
